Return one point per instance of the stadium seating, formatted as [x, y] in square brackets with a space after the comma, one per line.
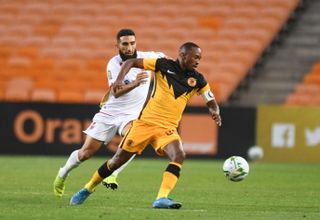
[94, 96]
[307, 93]
[43, 95]
[61, 41]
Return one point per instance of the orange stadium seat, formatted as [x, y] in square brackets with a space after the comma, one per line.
[288, 4]
[308, 89]
[274, 12]
[18, 89]
[13, 94]
[79, 53]
[1, 94]
[21, 30]
[47, 30]
[54, 52]
[43, 95]
[38, 41]
[102, 83]
[212, 22]
[301, 100]
[312, 78]
[316, 68]
[5, 51]
[20, 82]
[269, 24]
[98, 64]
[70, 96]
[71, 32]
[229, 34]
[63, 42]
[292, 100]
[250, 11]
[70, 64]
[307, 92]
[46, 82]
[30, 52]
[78, 20]
[94, 96]
[19, 62]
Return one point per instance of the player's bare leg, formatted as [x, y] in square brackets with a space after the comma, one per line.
[170, 177]
[111, 181]
[89, 148]
[120, 157]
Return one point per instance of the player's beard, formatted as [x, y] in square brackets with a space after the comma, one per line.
[125, 57]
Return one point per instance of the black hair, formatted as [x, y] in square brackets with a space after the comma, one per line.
[125, 32]
[187, 46]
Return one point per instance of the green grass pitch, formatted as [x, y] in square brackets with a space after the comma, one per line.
[271, 191]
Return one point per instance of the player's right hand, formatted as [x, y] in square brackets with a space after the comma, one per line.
[117, 85]
[141, 78]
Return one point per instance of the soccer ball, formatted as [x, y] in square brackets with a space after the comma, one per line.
[255, 153]
[235, 168]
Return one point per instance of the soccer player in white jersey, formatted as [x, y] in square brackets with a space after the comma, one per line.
[117, 111]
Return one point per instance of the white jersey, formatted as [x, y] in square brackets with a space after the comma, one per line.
[115, 113]
[132, 102]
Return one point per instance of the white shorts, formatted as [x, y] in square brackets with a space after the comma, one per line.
[104, 127]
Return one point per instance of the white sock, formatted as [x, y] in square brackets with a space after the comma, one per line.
[71, 163]
[117, 171]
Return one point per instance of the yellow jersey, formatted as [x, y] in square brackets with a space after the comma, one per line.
[172, 89]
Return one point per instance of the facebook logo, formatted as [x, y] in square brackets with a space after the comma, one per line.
[283, 135]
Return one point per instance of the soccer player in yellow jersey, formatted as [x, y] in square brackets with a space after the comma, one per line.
[175, 83]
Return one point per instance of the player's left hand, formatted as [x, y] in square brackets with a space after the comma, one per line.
[141, 78]
[216, 117]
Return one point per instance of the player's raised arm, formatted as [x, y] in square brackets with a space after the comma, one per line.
[126, 66]
[140, 79]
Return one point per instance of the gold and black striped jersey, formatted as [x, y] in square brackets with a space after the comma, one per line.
[173, 87]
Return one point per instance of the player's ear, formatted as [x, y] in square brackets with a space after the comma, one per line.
[182, 55]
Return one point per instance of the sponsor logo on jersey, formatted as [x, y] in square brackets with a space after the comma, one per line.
[192, 82]
[170, 132]
[129, 142]
[171, 72]
[109, 74]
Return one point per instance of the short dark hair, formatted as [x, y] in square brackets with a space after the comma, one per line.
[187, 46]
[125, 32]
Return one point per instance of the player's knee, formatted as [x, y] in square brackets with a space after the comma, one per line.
[85, 154]
[179, 156]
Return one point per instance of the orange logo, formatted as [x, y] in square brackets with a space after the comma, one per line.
[68, 131]
[192, 82]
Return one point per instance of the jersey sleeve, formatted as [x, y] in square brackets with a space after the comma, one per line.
[203, 89]
[112, 71]
[149, 63]
[153, 54]
[203, 85]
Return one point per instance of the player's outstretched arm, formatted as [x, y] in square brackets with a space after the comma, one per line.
[214, 111]
[126, 66]
[213, 106]
[140, 79]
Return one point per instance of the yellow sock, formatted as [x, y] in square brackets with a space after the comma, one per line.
[169, 180]
[95, 180]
